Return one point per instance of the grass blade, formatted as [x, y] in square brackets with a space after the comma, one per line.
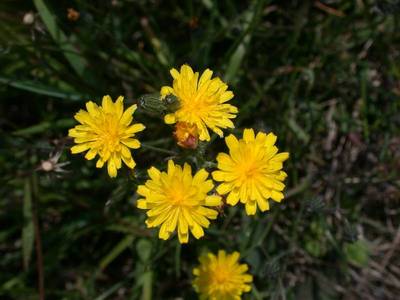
[28, 236]
[77, 62]
[38, 88]
[117, 250]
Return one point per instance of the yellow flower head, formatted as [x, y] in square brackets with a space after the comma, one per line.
[202, 101]
[177, 199]
[252, 172]
[221, 277]
[106, 131]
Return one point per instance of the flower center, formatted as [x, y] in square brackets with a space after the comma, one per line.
[248, 170]
[177, 199]
[251, 171]
[110, 134]
[177, 194]
[221, 275]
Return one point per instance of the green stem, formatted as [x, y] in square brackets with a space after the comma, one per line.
[146, 146]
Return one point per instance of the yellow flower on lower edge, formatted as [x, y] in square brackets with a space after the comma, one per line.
[252, 172]
[106, 131]
[176, 199]
[202, 101]
[221, 277]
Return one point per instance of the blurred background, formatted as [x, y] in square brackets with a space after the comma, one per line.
[322, 75]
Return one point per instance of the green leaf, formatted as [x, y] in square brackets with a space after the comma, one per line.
[38, 88]
[77, 62]
[28, 236]
[147, 279]
[298, 130]
[237, 57]
[38, 128]
[251, 18]
[357, 253]
[143, 249]
[116, 251]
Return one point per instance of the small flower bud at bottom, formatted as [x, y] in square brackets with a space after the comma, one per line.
[186, 135]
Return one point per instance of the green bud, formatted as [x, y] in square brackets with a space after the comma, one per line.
[152, 104]
[172, 103]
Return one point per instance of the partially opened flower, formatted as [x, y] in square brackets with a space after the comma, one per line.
[176, 200]
[252, 172]
[202, 101]
[186, 135]
[107, 131]
[221, 277]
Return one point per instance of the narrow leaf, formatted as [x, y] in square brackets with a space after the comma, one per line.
[77, 62]
[116, 251]
[38, 88]
[28, 237]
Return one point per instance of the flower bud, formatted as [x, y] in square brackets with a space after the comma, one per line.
[186, 135]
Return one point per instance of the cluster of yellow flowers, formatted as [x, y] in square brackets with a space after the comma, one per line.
[177, 200]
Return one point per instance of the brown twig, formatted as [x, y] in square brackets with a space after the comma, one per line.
[328, 9]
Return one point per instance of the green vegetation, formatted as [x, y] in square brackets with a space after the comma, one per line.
[324, 76]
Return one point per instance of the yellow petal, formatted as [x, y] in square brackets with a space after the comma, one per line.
[270, 140]
[126, 118]
[263, 204]
[107, 104]
[134, 128]
[131, 143]
[226, 96]
[119, 106]
[248, 135]
[200, 177]
[171, 167]
[174, 73]
[213, 200]
[91, 154]
[154, 173]
[111, 168]
[143, 190]
[163, 233]
[80, 148]
[125, 151]
[224, 188]
[166, 90]
[280, 157]
[141, 203]
[233, 198]
[183, 237]
[100, 163]
[277, 196]
[92, 108]
[232, 142]
[205, 77]
[170, 119]
[251, 208]
[197, 231]
[129, 161]
[281, 176]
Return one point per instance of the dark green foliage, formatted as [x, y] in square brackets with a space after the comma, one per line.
[322, 75]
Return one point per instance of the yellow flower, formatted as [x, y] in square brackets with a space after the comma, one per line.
[202, 101]
[106, 131]
[177, 199]
[221, 277]
[252, 172]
